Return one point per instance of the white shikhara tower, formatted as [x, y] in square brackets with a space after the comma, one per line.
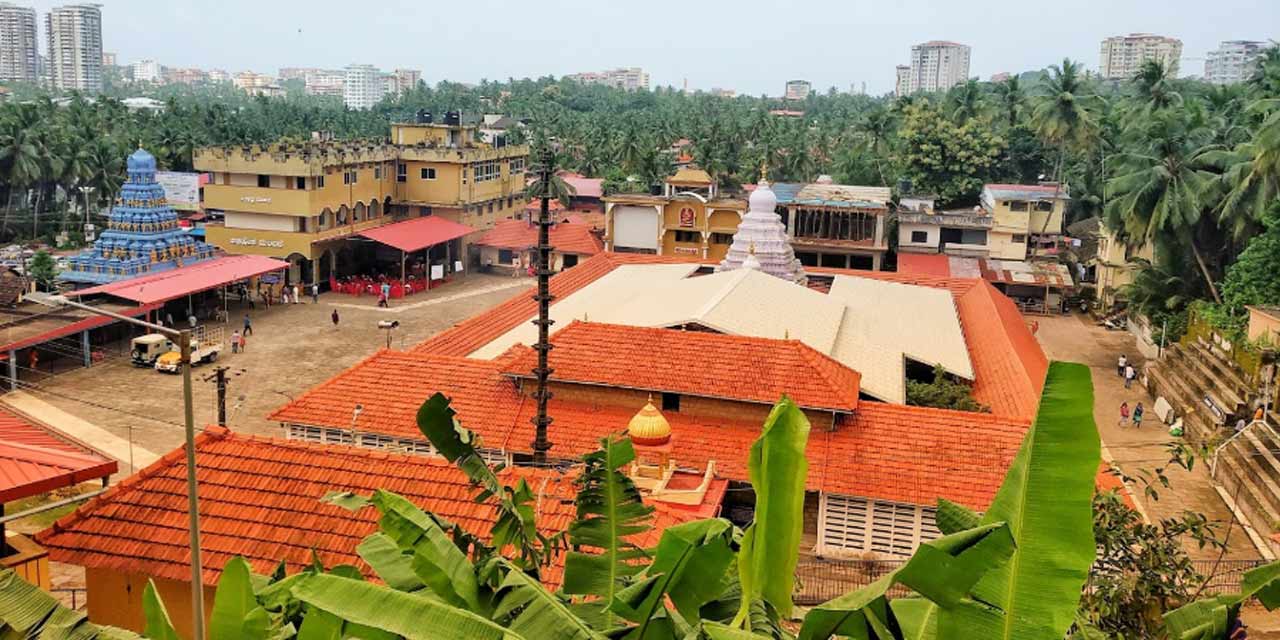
[761, 236]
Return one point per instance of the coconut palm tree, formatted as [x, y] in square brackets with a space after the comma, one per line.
[1251, 173]
[1011, 99]
[1064, 116]
[1162, 189]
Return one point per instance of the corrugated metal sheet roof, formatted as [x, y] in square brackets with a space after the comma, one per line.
[33, 460]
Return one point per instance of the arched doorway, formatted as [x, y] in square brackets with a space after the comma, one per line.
[358, 214]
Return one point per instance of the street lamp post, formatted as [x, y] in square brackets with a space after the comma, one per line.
[193, 504]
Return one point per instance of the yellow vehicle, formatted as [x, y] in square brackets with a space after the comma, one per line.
[205, 346]
[144, 350]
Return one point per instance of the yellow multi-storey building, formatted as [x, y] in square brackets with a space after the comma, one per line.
[1024, 218]
[304, 201]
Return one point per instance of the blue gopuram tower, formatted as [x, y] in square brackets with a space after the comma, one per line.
[142, 233]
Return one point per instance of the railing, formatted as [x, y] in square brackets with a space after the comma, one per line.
[819, 580]
[74, 597]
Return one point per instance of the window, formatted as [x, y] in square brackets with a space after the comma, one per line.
[300, 183]
[490, 207]
[688, 236]
[1044, 205]
[847, 523]
[319, 182]
[516, 166]
[377, 172]
[504, 256]
[670, 401]
[355, 176]
[264, 181]
[402, 172]
[428, 173]
[1019, 238]
[1018, 205]
[485, 171]
[722, 238]
[919, 236]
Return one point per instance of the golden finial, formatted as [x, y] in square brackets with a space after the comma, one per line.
[751, 248]
[764, 171]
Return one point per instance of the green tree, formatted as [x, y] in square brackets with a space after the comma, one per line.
[1253, 280]
[1063, 115]
[43, 270]
[942, 393]
[949, 159]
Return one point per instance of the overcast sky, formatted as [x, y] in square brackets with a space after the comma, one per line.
[751, 46]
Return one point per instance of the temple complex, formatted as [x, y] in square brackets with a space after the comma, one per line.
[142, 233]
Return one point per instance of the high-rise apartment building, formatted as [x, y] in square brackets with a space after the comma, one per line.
[902, 80]
[937, 65]
[146, 71]
[798, 89]
[630, 78]
[74, 36]
[408, 79]
[185, 76]
[1123, 56]
[1234, 61]
[108, 59]
[18, 48]
[363, 86]
[324, 82]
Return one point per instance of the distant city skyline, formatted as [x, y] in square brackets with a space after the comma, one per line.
[756, 56]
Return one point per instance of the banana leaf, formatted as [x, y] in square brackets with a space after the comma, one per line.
[944, 571]
[954, 518]
[1211, 618]
[770, 547]
[528, 609]
[158, 626]
[1046, 499]
[28, 612]
[610, 510]
[406, 614]
[236, 613]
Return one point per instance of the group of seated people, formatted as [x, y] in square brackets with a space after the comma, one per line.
[372, 286]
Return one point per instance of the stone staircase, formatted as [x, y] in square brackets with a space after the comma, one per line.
[1207, 390]
[1211, 394]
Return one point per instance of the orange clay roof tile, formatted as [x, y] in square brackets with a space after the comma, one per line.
[260, 499]
[566, 237]
[696, 363]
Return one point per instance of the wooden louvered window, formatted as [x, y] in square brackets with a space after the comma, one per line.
[848, 526]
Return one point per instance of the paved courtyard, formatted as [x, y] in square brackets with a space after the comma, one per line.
[1073, 338]
[292, 348]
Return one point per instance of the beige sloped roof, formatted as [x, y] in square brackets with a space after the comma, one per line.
[870, 326]
[595, 302]
[841, 193]
[921, 323]
[689, 177]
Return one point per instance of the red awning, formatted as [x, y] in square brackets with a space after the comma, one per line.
[419, 233]
[34, 460]
[175, 283]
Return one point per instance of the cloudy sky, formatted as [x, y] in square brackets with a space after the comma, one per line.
[751, 46]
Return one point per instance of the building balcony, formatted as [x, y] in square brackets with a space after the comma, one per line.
[946, 219]
[966, 250]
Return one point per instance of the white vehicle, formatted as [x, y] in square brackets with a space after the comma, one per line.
[206, 343]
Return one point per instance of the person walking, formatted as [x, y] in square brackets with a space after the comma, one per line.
[315, 293]
[334, 317]
[1124, 413]
[248, 326]
[1121, 364]
[1137, 416]
[296, 291]
[235, 341]
[243, 343]
[1129, 375]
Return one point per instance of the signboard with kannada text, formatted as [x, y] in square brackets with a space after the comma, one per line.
[181, 189]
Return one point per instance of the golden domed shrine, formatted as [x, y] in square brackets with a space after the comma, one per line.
[649, 427]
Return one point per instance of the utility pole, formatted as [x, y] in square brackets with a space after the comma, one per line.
[542, 421]
[220, 378]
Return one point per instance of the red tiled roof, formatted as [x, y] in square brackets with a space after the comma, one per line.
[260, 499]
[696, 363]
[418, 233]
[1008, 364]
[566, 237]
[553, 205]
[959, 455]
[584, 187]
[193, 278]
[33, 460]
[925, 264]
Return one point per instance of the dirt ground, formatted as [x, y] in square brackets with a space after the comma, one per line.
[292, 348]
